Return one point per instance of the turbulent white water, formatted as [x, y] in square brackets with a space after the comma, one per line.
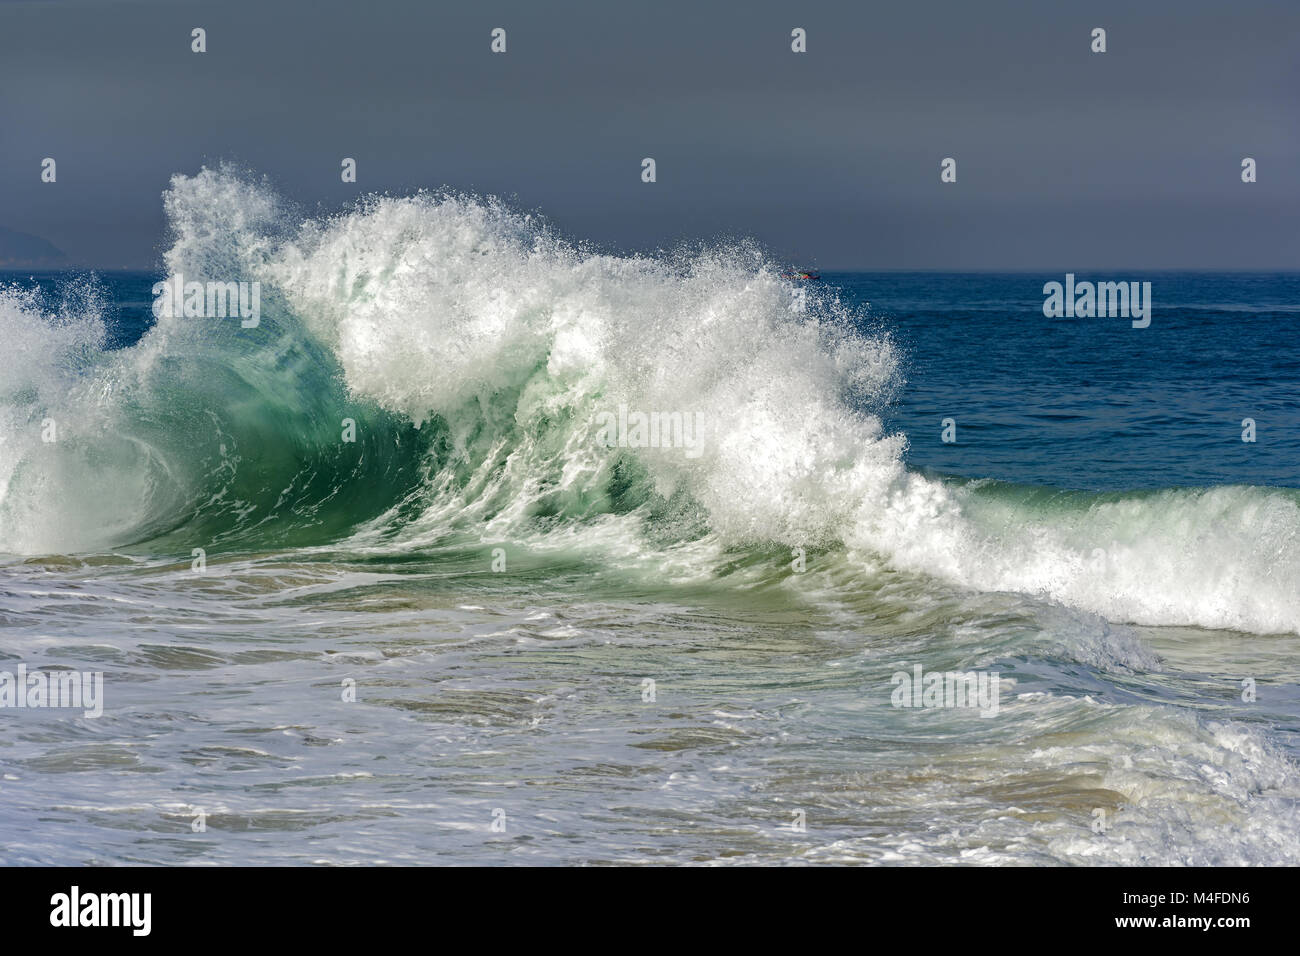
[456, 310]
[475, 352]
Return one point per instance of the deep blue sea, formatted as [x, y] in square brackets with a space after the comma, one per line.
[368, 581]
[1093, 403]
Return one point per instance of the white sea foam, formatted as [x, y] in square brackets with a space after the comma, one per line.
[458, 311]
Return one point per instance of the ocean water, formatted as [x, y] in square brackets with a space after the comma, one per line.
[563, 651]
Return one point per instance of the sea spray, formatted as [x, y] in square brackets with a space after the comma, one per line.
[474, 350]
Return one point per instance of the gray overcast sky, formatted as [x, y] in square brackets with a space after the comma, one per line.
[1066, 159]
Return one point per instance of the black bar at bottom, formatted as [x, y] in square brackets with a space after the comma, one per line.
[338, 905]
